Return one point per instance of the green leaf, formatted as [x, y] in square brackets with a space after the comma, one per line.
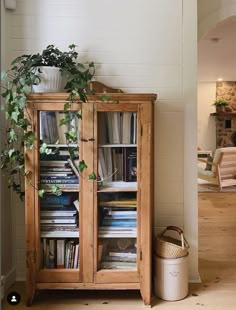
[21, 101]
[44, 149]
[105, 97]
[22, 81]
[13, 136]
[10, 152]
[66, 106]
[82, 166]
[92, 176]
[3, 75]
[41, 193]
[9, 85]
[14, 116]
[55, 190]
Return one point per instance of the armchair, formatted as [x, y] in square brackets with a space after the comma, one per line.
[223, 168]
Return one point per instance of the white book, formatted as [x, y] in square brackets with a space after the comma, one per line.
[73, 167]
[59, 220]
[116, 127]
[126, 126]
[117, 235]
[76, 204]
[60, 253]
[135, 129]
[76, 256]
[108, 164]
[57, 213]
[101, 163]
[61, 129]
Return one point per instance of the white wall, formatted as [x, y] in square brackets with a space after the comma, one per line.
[206, 123]
[137, 46]
[8, 264]
[211, 12]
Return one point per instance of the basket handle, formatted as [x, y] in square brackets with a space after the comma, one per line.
[184, 242]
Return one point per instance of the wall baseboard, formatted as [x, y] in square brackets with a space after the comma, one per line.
[10, 278]
[21, 278]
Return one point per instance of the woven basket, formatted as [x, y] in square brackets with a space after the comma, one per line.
[168, 247]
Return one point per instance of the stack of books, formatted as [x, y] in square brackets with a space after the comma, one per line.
[116, 259]
[118, 223]
[59, 216]
[58, 169]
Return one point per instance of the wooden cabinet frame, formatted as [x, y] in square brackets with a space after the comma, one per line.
[87, 276]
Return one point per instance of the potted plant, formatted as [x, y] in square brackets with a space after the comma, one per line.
[26, 71]
[220, 105]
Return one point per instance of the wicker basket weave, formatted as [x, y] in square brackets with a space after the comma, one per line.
[168, 247]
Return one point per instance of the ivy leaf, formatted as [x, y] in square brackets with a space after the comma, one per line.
[13, 136]
[10, 152]
[92, 176]
[66, 106]
[22, 81]
[79, 114]
[3, 75]
[9, 85]
[41, 193]
[72, 46]
[105, 97]
[56, 190]
[15, 115]
[44, 149]
[82, 166]
[21, 102]
[26, 89]
[71, 136]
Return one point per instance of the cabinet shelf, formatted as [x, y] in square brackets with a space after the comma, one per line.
[117, 145]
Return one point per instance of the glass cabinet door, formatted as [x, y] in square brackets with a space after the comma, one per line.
[117, 212]
[58, 206]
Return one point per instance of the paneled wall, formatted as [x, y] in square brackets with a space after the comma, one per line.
[138, 46]
[206, 123]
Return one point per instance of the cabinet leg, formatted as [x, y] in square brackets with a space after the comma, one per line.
[29, 296]
[146, 296]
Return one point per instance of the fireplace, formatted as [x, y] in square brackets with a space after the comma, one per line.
[225, 130]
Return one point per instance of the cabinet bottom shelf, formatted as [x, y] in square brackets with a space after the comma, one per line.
[87, 286]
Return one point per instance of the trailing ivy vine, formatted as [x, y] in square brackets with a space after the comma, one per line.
[16, 85]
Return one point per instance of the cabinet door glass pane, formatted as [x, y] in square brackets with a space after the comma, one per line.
[59, 211]
[117, 190]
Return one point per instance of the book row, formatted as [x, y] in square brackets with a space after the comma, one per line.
[117, 127]
[59, 253]
[117, 164]
[53, 127]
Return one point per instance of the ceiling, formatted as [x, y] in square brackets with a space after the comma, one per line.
[217, 53]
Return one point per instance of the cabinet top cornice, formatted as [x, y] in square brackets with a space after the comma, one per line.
[96, 97]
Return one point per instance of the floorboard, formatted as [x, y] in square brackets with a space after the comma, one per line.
[217, 267]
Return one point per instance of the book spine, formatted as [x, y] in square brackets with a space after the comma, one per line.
[60, 200]
[59, 181]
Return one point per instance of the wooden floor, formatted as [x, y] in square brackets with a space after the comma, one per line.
[217, 263]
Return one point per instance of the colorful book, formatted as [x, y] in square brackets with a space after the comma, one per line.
[63, 199]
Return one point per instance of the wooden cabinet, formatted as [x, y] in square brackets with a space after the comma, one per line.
[98, 233]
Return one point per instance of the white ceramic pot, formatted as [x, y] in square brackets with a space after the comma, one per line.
[51, 80]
